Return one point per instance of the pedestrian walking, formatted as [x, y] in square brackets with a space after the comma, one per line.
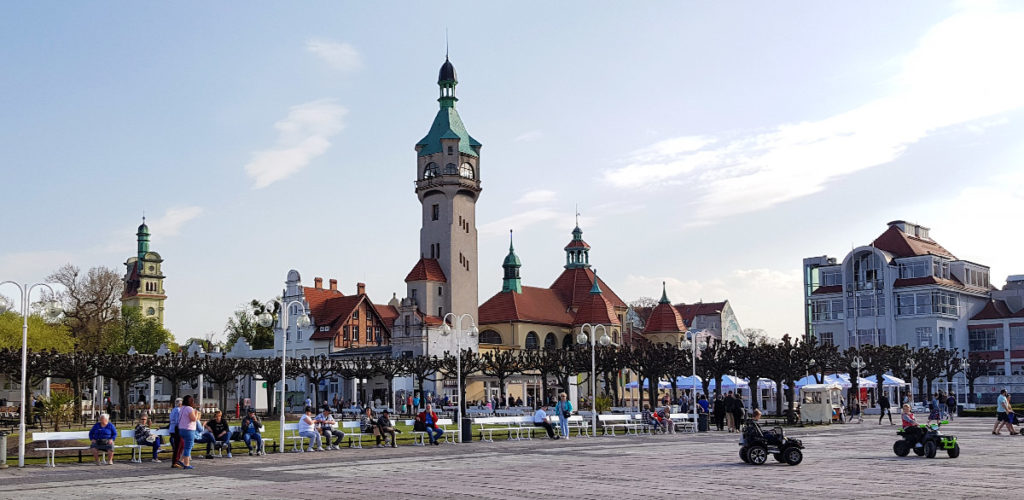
[884, 409]
[1004, 413]
[718, 412]
[951, 406]
[172, 431]
[187, 417]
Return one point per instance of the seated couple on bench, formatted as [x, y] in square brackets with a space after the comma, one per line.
[380, 427]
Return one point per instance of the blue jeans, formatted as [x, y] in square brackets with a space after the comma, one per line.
[563, 423]
[209, 439]
[251, 436]
[156, 445]
[186, 440]
[434, 433]
[313, 437]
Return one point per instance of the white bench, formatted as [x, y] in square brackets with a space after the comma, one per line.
[263, 430]
[51, 451]
[137, 448]
[354, 429]
[612, 422]
[420, 437]
[488, 426]
[296, 439]
[686, 421]
[577, 422]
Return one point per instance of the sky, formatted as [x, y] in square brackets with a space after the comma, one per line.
[709, 145]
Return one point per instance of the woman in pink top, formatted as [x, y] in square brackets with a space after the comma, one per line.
[187, 417]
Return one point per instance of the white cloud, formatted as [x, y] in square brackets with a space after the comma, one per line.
[302, 136]
[538, 196]
[170, 223]
[340, 56]
[530, 136]
[964, 69]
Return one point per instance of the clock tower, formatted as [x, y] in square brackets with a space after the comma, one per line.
[144, 280]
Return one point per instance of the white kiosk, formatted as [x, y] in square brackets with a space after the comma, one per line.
[819, 401]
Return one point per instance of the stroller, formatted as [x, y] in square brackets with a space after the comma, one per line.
[756, 444]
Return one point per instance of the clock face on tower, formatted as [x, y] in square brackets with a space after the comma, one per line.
[152, 267]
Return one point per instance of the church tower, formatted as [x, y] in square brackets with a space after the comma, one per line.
[144, 280]
[448, 185]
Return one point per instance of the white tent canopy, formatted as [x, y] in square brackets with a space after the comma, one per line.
[662, 384]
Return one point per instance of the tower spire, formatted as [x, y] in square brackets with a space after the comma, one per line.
[512, 282]
[664, 295]
[596, 288]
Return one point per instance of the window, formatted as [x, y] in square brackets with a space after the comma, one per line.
[451, 150]
[431, 170]
[567, 341]
[827, 310]
[940, 268]
[826, 338]
[150, 311]
[866, 305]
[451, 169]
[355, 314]
[936, 302]
[550, 342]
[916, 269]
[440, 290]
[1017, 337]
[344, 332]
[924, 336]
[952, 336]
[532, 341]
[369, 333]
[466, 171]
[831, 277]
[435, 212]
[407, 354]
[942, 336]
[376, 334]
[414, 294]
[985, 339]
[944, 303]
[440, 312]
[355, 333]
[298, 334]
[868, 336]
[490, 337]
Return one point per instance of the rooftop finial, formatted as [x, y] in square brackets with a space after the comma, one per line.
[446, 42]
[664, 294]
[577, 215]
[510, 240]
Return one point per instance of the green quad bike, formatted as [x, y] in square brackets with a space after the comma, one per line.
[925, 441]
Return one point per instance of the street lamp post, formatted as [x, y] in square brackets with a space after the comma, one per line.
[472, 332]
[691, 342]
[858, 363]
[266, 319]
[581, 339]
[964, 366]
[51, 312]
[910, 365]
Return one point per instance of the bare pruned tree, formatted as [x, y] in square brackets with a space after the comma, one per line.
[91, 301]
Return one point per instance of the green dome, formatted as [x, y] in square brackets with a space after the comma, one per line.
[512, 260]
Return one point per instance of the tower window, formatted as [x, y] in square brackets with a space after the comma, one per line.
[435, 212]
[440, 312]
[451, 150]
[440, 290]
[431, 170]
[451, 169]
[466, 171]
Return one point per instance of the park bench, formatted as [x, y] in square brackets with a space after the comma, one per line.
[137, 448]
[51, 451]
[263, 429]
[612, 422]
[684, 421]
[578, 422]
[292, 434]
[489, 425]
[354, 429]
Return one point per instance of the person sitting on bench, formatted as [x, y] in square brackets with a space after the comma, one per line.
[144, 436]
[251, 431]
[101, 439]
[326, 422]
[428, 419]
[216, 432]
[540, 419]
[385, 429]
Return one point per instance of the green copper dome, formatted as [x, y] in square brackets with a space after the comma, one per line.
[447, 124]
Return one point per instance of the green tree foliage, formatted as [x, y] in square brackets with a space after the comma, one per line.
[41, 335]
[59, 408]
[144, 334]
[243, 325]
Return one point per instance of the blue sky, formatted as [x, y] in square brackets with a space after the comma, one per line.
[709, 145]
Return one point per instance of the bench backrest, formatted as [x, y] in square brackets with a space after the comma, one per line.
[46, 437]
[294, 428]
[613, 418]
[352, 424]
[445, 421]
[503, 420]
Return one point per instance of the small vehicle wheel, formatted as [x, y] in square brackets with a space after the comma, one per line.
[743, 455]
[918, 451]
[793, 456]
[757, 454]
[901, 448]
[930, 449]
[954, 451]
[778, 458]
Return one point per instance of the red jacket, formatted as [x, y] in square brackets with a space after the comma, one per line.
[422, 417]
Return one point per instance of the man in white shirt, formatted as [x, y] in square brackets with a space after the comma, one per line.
[540, 419]
[326, 422]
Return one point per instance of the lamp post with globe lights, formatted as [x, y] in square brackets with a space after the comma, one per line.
[581, 339]
[857, 364]
[694, 343]
[910, 365]
[51, 311]
[964, 366]
[266, 319]
[456, 321]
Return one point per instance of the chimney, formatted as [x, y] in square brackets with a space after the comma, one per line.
[334, 285]
[318, 282]
[361, 288]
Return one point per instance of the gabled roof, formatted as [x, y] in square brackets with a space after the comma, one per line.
[387, 314]
[426, 270]
[901, 244]
[333, 310]
[994, 309]
[574, 286]
[690, 311]
[317, 299]
[535, 305]
[447, 125]
[664, 319]
[596, 309]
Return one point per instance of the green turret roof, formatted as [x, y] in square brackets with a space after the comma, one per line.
[447, 125]
[511, 283]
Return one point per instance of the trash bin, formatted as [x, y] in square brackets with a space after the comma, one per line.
[467, 430]
[702, 422]
[3, 450]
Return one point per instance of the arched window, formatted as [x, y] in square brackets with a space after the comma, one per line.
[431, 170]
[490, 337]
[451, 169]
[466, 170]
[567, 341]
[532, 340]
[550, 342]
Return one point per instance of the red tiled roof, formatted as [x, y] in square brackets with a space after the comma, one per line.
[388, 314]
[664, 319]
[536, 305]
[827, 289]
[902, 244]
[925, 280]
[432, 320]
[577, 244]
[574, 286]
[317, 299]
[333, 310]
[690, 311]
[596, 309]
[426, 270]
[995, 309]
